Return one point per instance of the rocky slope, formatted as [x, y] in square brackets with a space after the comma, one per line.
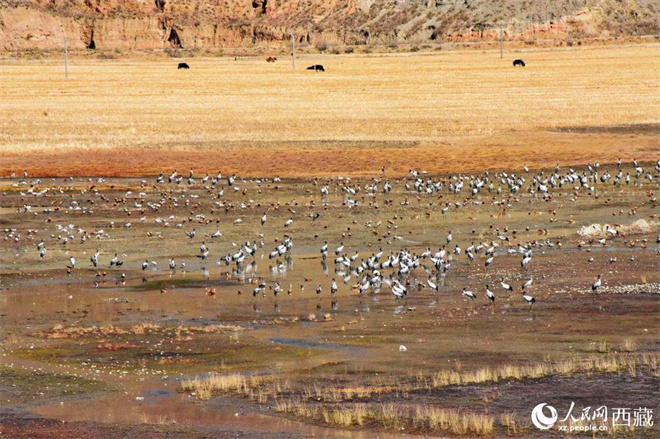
[216, 25]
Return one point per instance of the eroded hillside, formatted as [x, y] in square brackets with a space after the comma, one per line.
[317, 24]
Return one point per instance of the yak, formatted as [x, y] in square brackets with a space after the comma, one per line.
[316, 67]
[183, 65]
[518, 62]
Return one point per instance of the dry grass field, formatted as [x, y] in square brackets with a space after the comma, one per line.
[443, 112]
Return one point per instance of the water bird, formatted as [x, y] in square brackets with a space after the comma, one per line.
[596, 285]
[489, 294]
[468, 294]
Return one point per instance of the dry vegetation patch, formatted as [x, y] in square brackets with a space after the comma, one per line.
[358, 405]
[59, 331]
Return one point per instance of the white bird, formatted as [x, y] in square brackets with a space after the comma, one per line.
[596, 284]
[399, 293]
[95, 259]
[527, 284]
[263, 219]
[288, 222]
[506, 286]
[72, 262]
[490, 294]
[525, 262]
[529, 299]
[469, 294]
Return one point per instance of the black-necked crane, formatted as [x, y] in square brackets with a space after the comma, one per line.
[506, 286]
[525, 262]
[95, 259]
[490, 295]
[468, 294]
[596, 285]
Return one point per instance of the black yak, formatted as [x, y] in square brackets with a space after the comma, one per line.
[518, 62]
[317, 67]
[183, 65]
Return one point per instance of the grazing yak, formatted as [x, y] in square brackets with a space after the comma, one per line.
[271, 59]
[518, 62]
[317, 67]
[183, 65]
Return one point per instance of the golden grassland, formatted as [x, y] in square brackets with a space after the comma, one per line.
[443, 112]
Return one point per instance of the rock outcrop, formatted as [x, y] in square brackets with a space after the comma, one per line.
[129, 25]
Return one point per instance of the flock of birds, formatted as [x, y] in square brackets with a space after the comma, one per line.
[397, 270]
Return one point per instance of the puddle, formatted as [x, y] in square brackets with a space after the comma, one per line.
[316, 344]
[182, 410]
